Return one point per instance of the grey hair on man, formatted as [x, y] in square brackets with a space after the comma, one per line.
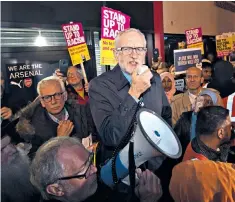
[126, 31]
[45, 168]
[44, 82]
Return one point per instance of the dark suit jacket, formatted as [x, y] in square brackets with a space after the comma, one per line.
[113, 108]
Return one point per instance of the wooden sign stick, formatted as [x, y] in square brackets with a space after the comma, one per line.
[83, 71]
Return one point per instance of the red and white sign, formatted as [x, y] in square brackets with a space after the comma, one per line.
[73, 34]
[113, 21]
[194, 35]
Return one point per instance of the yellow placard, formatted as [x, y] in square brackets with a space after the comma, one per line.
[197, 45]
[106, 52]
[181, 45]
[233, 39]
[224, 44]
[76, 53]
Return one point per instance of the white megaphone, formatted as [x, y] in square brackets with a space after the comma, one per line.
[153, 137]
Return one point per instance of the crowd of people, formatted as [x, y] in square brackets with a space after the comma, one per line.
[49, 148]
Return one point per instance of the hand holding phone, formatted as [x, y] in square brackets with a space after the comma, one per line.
[63, 66]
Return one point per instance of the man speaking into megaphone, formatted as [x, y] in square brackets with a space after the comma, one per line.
[114, 95]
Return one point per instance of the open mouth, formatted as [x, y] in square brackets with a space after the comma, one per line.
[133, 63]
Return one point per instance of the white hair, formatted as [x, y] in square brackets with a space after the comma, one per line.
[126, 31]
[46, 80]
[79, 70]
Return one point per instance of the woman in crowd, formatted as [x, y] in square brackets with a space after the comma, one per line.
[185, 126]
[168, 84]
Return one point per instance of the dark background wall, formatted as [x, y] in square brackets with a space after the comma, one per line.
[50, 15]
[57, 13]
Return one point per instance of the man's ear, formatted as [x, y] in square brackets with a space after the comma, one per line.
[65, 96]
[55, 189]
[220, 133]
[115, 53]
[42, 102]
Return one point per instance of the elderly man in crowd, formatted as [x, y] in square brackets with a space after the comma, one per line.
[116, 94]
[185, 102]
[52, 115]
[63, 170]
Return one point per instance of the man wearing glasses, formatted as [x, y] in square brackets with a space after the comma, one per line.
[75, 88]
[50, 115]
[63, 170]
[114, 96]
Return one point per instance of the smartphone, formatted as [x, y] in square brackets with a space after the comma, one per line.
[155, 54]
[63, 66]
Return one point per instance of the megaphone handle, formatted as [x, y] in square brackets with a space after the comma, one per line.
[125, 139]
[131, 167]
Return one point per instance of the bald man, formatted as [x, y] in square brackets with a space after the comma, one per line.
[185, 101]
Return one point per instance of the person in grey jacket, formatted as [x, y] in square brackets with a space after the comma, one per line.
[114, 96]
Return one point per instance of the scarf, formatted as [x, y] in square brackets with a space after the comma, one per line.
[170, 93]
[213, 155]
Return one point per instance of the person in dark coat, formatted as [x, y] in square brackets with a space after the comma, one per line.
[8, 122]
[15, 183]
[115, 95]
[53, 115]
[223, 79]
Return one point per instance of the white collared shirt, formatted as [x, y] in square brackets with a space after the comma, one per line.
[64, 118]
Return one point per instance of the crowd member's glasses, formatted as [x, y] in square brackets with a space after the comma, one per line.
[48, 98]
[129, 50]
[207, 102]
[71, 75]
[194, 77]
[85, 174]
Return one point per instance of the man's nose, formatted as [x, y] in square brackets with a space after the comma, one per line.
[53, 100]
[134, 54]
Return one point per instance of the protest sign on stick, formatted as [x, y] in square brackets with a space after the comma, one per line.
[112, 22]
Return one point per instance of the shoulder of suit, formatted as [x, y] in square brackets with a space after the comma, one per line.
[178, 97]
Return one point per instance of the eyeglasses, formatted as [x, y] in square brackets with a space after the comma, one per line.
[129, 50]
[48, 98]
[194, 77]
[88, 162]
